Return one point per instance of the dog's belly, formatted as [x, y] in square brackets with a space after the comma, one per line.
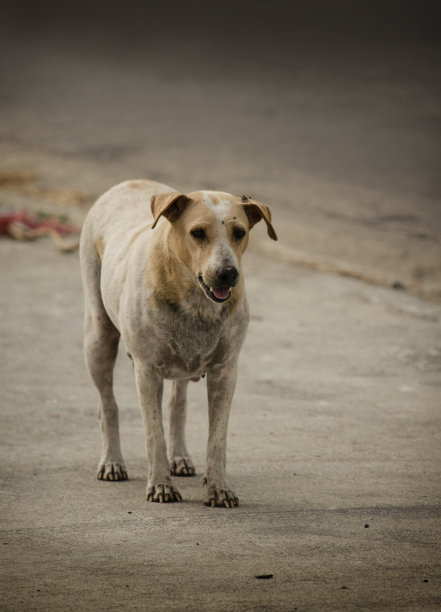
[173, 373]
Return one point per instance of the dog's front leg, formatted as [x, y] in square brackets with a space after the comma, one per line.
[150, 387]
[221, 383]
[180, 462]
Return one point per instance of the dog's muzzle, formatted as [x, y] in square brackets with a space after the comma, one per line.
[223, 281]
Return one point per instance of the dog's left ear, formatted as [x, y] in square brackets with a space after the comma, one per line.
[255, 211]
[170, 205]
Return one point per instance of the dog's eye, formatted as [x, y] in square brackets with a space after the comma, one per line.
[238, 233]
[198, 233]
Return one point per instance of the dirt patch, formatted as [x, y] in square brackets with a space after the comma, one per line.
[28, 183]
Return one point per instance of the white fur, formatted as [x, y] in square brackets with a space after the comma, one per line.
[197, 337]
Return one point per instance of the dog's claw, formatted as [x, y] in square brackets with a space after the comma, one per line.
[182, 466]
[112, 472]
[163, 493]
[221, 498]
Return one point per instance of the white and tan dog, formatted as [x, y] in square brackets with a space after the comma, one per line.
[173, 288]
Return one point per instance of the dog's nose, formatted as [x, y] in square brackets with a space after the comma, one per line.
[227, 277]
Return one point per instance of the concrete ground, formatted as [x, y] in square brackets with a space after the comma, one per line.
[334, 451]
[330, 114]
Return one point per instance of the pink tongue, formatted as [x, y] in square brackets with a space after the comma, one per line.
[222, 293]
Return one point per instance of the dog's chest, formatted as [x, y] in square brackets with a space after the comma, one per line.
[187, 347]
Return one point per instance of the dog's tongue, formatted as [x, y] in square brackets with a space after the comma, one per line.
[221, 293]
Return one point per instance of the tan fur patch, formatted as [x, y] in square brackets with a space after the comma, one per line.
[138, 184]
[99, 246]
[165, 273]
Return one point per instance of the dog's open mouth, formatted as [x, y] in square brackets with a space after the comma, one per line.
[217, 294]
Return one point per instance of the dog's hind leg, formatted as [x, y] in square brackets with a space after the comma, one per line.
[101, 340]
[101, 347]
[180, 462]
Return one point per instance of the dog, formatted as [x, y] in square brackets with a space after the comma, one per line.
[162, 270]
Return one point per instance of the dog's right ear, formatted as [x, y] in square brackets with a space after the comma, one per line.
[170, 205]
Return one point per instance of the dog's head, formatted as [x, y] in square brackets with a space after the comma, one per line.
[210, 232]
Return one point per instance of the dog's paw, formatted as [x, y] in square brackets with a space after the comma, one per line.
[182, 466]
[112, 472]
[163, 493]
[221, 498]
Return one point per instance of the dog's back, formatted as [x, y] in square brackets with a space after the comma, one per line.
[118, 214]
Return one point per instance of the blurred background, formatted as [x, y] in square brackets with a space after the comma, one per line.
[329, 112]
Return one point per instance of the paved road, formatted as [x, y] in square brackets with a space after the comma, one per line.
[335, 426]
